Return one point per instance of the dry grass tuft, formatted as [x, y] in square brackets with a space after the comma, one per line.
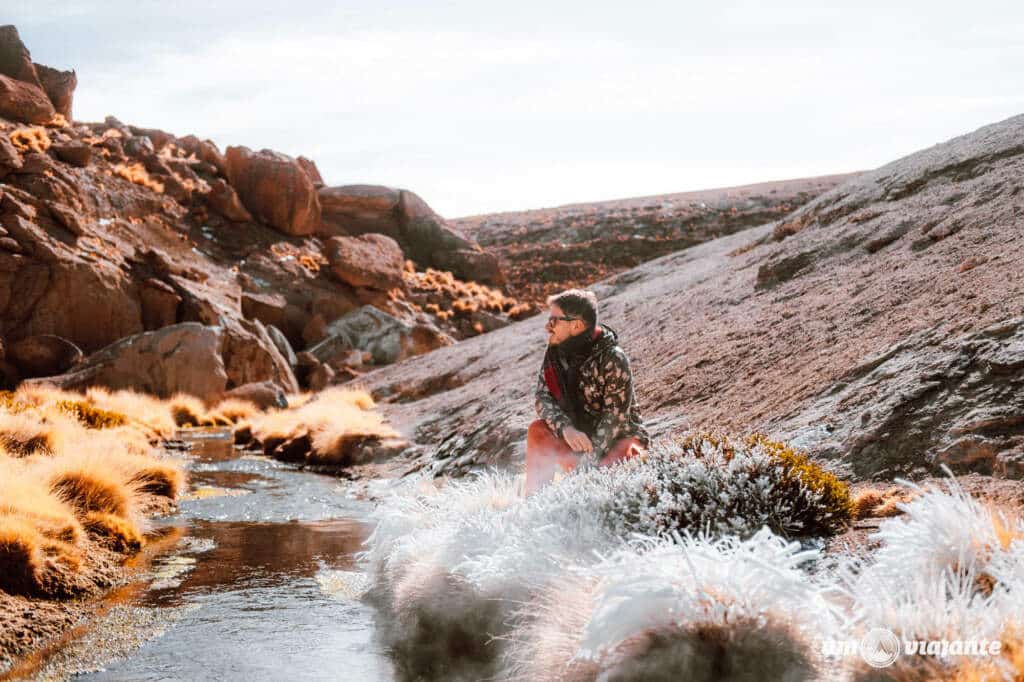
[22, 435]
[875, 503]
[151, 412]
[91, 487]
[324, 430]
[137, 173]
[22, 561]
[231, 411]
[90, 416]
[120, 534]
[187, 410]
[34, 139]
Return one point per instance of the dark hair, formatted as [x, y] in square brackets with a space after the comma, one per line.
[577, 303]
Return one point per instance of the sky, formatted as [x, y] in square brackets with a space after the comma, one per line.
[481, 106]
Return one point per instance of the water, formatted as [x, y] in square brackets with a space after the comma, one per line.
[261, 583]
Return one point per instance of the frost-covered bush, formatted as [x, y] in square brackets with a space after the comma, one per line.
[709, 483]
[450, 566]
[951, 568]
[691, 608]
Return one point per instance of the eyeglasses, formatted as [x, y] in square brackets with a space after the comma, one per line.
[554, 318]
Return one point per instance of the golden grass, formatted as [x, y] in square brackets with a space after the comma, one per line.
[120, 534]
[22, 561]
[91, 487]
[137, 173]
[876, 503]
[90, 416]
[76, 472]
[28, 498]
[22, 435]
[33, 139]
[187, 410]
[231, 411]
[150, 411]
[322, 430]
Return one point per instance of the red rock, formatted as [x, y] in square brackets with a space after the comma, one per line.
[68, 218]
[205, 151]
[159, 304]
[275, 189]
[224, 200]
[320, 377]
[158, 137]
[357, 209]
[15, 60]
[263, 394]
[59, 86]
[75, 154]
[181, 358]
[309, 166]
[24, 102]
[43, 355]
[369, 260]
[10, 159]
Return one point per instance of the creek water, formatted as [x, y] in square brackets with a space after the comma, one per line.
[258, 581]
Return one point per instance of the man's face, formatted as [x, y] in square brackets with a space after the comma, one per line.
[559, 328]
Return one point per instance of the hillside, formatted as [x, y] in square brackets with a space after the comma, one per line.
[880, 326]
[546, 250]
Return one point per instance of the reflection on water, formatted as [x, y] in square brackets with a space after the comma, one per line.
[263, 585]
[266, 554]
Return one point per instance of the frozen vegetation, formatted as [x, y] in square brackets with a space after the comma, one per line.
[702, 561]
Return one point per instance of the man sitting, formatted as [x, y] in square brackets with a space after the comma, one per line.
[584, 397]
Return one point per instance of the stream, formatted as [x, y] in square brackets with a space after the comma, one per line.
[255, 579]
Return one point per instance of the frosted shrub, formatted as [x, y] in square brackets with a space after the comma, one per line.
[451, 566]
[711, 484]
[694, 609]
[951, 568]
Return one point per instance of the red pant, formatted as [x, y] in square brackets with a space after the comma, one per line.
[547, 454]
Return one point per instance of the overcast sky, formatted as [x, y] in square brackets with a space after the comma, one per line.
[483, 106]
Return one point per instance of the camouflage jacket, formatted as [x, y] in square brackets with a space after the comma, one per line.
[587, 383]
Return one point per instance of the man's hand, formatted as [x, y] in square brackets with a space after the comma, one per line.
[577, 440]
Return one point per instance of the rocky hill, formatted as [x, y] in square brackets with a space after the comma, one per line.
[109, 231]
[880, 326]
[543, 251]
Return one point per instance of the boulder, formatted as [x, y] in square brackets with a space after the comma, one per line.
[369, 260]
[15, 60]
[43, 355]
[282, 345]
[10, 159]
[159, 304]
[312, 171]
[75, 154]
[320, 377]
[430, 241]
[59, 86]
[263, 394]
[181, 358]
[275, 189]
[358, 209]
[24, 102]
[51, 291]
[224, 200]
[424, 236]
[158, 137]
[251, 356]
[385, 337]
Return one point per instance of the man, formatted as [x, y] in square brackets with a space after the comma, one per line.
[584, 397]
